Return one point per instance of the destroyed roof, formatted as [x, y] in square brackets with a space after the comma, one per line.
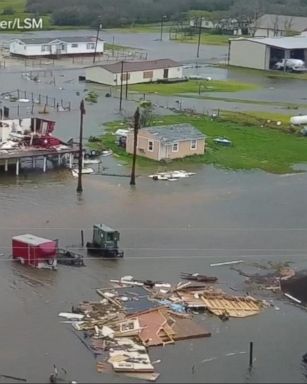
[135, 66]
[173, 133]
[67, 39]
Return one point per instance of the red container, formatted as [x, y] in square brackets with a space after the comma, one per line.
[35, 251]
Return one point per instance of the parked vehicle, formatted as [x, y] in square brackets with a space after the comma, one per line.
[291, 64]
[105, 242]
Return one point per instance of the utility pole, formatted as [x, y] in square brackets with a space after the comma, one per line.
[135, 140]
[200, 20]
[127, 79]
[82, 112]
[161, 31]
[121, 86]
[97, 37]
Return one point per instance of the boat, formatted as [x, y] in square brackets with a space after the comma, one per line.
[85, 171]
[222, 141]
[92, 161]
[107, 153]
[172, 175]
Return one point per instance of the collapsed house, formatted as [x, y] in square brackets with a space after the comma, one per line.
[133, 316]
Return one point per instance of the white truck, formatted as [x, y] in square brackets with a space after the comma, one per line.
[291, 65]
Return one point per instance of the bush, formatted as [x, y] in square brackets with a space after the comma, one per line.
[8, 11]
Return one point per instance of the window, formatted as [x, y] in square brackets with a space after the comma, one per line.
[45, 48]
[193, 144]
[74, 45]
[62, 47]
[90, 46]
[125, 76]
[148, 75]
[175, 147]
[150, 145]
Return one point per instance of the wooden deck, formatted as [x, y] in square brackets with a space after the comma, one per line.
[15, 156]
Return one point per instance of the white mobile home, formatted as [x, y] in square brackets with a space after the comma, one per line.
[56, 47]
[135, 72]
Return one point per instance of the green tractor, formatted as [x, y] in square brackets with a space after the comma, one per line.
[105, 242]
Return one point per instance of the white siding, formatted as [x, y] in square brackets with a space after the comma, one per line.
[55, 48]
[138, 77]
[245, 53]
[82, 48]
[100, 75]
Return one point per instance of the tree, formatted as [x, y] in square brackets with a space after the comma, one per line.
[146, 113]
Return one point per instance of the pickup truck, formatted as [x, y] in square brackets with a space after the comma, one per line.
[291, 64]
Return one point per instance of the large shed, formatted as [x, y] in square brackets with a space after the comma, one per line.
[264, 53]
[134, 72]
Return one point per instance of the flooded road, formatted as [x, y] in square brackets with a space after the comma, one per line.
[166, 228]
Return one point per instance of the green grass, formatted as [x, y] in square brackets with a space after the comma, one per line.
[193, 86]
[206, 38]
[254, 147]
[143, 28]
[273, 74]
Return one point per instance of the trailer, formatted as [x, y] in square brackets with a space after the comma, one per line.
[35, 251]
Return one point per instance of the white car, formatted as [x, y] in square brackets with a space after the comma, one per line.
[291, 64]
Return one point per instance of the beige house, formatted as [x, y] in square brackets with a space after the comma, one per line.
[167, 142]
[269, 25]
[135, 72]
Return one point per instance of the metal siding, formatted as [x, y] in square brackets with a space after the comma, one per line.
[244, 53]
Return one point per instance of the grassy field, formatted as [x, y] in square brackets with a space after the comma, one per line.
[209, 39]
[143, 28]
[193, 86]
[273, 74]
[254, 146]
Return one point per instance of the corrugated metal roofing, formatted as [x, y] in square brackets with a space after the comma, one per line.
[294, 42]
[173, 133]
[135, 66]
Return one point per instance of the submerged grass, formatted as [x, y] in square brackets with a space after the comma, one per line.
[255, 146]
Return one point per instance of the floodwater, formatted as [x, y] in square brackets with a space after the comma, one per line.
[166, 228]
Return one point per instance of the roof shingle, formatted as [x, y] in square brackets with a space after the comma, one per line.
[169, 134]
[135, 66]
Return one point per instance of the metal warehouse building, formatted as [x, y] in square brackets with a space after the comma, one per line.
[263, 53]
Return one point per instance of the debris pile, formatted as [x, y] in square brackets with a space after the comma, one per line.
[135, 315]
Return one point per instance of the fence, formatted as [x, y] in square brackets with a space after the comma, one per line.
[30, 103]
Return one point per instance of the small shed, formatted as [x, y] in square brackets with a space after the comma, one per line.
[35, 251]
[134, 72]
[167, 142]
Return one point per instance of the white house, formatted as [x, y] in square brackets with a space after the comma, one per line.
[61, 46]
[135, 72]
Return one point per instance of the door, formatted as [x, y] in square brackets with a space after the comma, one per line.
[165, 73]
